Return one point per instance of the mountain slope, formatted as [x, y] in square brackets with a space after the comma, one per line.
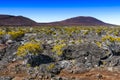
[83, 21]
[79, 21]
[9, 20]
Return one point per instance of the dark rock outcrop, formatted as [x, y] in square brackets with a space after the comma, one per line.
[39, 59]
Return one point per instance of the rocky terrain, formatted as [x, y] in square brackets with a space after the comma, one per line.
[59, 53]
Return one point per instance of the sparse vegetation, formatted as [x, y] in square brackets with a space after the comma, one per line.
[2, 33]
[51, 66]
[52, 49]
[58, 49]
[16, 34]
[29, 48]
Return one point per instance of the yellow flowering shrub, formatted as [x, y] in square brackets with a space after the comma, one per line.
[58, 48]
[117, 39]
[116, 33]
[86, 32]
[70, 30]
[29, 47]
[2, 33]
[16, 34]
[51, 66]
[99, 44]
[111, 38]
[98, 31]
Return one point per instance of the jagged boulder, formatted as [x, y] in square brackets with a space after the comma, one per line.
[8, 54]
[89, 54]
[36, 60]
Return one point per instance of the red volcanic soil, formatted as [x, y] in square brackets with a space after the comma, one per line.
[94, 74]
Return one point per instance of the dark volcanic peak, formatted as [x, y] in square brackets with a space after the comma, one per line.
[78, 21]
[9, 20]
[5, 16]
[81, 20]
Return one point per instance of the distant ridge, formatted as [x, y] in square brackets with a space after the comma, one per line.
[10, 20]
[80, 21]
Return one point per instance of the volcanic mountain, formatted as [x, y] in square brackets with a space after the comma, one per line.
[80, 21]
[9, 20]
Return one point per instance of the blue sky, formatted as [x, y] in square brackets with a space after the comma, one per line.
[56, 10]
